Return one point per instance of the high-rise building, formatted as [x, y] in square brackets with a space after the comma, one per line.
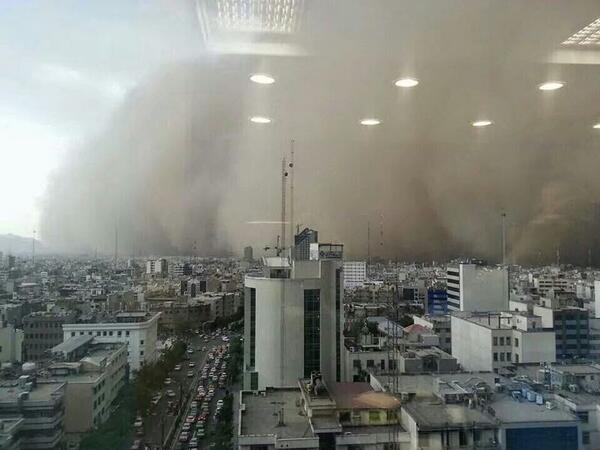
[294, 316]
[355, 274]
[157, 266]
[474, 287]
[248, 254]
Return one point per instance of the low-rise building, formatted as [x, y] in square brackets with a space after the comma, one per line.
[137, 329]
[10, 433]
[40, 405]
[93, 381]
[493, 341]
[43, 330]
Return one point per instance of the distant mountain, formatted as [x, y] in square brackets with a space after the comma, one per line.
[19, 245]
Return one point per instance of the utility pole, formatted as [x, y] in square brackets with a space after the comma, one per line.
[33, 249]
[284, 174]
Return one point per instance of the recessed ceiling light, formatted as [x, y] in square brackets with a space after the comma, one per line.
[406, 82]
[260, 119]
[551, 85]
[370, 122]
[597, 126]
[482, 123]
[262, 78]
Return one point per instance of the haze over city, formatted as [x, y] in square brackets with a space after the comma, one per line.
[157, 143]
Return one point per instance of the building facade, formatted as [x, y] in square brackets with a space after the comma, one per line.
[137, 330]
[355, 274]
[42, 331]
[474, 287]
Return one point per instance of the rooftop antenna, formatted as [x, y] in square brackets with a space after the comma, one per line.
[284, 175]
[504, 239]
[369, 242]
[291, 166]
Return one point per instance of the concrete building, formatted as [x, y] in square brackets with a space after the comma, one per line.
[348, 416]
[159, 267]
[10, 433]
[42, 408]
[173, 313]
[571, 326]
[11, 343]
[42, 331]
[493, 341]
[441, 326]
[248, 254]
[137, 329]
[557, 282]
[437, 302]
[93, 381]
[355, 274]
[474, 287]
[294, 316]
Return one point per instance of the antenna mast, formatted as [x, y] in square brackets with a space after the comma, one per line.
[292, 193]
[283, 195]
[504, 239]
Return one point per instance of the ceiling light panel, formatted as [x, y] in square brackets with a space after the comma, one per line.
[589, 35]
[262, 16]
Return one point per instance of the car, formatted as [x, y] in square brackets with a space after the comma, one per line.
[177, 367]
[156, 398]
[225, 338]
[193, 443]
[138, 422]
[184, 436]
[191, 364]
[190, 374]
[170, 393]
[220, 402]
[190, 350]
[137, 445]
[168, 381]
[186, 427]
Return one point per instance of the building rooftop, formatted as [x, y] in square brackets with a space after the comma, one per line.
[434, 415]
[509, 411]
[362, 396]
[71, 344]
[9, 392]
[262, 413]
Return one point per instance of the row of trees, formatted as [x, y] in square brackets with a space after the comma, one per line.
[151, 376]
[236, 350]
[222, 434]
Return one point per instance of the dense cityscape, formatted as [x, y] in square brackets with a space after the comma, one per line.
[300, 225]
[298, 346]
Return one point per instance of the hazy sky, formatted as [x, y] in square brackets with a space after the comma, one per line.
[64, 67]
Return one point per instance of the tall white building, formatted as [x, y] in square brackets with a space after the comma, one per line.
[355, 274]
[473, 287]
[137, 329]
[157, 266]
[491, 341]
[294, 316]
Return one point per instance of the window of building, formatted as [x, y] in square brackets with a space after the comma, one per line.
[119, 333]
[370, 363]
[141, 352]
[508, 356]
[344, 416]
[104, 333]
[495, 356]
[142, 342]
[585, 437]
[356, 364]
[312, 331]
[382, 364]
[501, 356]
[495, 341]
[583, 416]
[507, 340]
[72, 333]
[516, 342]
[127, 333]
[110, 333]
[374, 416]
[501, 341]
[98, 333]
[516, 358]
[448, 340]
[462, 438]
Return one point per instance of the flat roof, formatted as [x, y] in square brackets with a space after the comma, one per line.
[437, 415]
[41, 392]
[260, 416]
[509, 411]
[361, 396]
[72, 343]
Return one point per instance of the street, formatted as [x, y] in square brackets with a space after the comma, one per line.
[159, 423]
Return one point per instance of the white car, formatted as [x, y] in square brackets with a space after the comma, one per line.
[168, 381]
[177, 367]
[138, 422]
[190, 374]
